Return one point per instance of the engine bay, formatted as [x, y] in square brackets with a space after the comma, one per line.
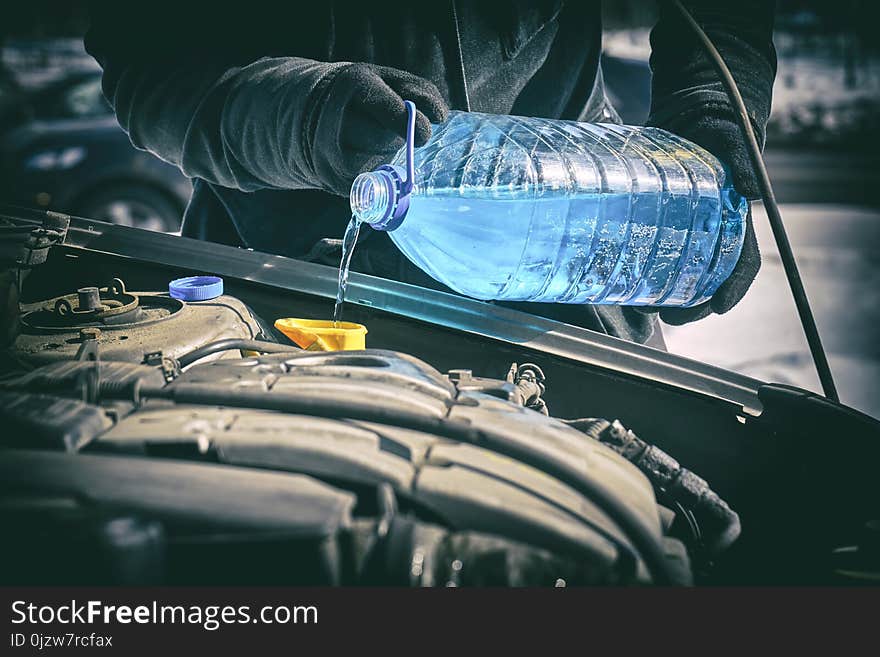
[153, 440]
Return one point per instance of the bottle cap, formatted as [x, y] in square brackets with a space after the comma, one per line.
[196, 288]
[381, 197]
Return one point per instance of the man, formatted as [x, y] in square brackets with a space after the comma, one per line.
[274, 108]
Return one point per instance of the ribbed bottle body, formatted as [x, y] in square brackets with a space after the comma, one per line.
[525, 209]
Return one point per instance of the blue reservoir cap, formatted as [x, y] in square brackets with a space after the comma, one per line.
[196, 288]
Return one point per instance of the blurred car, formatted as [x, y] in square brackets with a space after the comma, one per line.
[62, 149]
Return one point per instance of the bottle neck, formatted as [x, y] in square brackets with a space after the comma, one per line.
[380, 198]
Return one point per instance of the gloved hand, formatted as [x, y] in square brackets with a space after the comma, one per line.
[360, 120]
[714, 128]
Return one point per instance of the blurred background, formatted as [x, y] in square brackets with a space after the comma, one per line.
[60, 145]
[61, 149]
[823, 155]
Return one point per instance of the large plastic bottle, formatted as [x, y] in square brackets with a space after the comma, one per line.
[526, 209]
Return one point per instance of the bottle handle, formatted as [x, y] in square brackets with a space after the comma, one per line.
[395, 182]
[407, 186]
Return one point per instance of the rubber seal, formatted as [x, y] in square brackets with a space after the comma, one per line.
[196, 288]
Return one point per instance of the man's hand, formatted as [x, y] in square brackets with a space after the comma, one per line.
[715, 130]
[359, 120]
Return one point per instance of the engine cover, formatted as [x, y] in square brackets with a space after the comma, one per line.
[463, 487]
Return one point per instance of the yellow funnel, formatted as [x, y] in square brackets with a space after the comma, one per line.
[322, 334]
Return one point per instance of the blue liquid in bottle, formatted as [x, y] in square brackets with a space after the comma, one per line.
[526, 209]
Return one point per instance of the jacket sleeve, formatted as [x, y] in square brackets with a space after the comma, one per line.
[685, 85]
[228, 117]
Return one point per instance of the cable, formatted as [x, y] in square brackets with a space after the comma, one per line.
[789, 264]
[461, 70]
[567, 470]
[235, 343]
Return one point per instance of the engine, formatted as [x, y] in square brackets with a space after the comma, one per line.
[149, 439]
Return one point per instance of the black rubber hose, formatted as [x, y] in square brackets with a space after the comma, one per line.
[721, 523]
[772, 208]
[573, 474]
[235, 343]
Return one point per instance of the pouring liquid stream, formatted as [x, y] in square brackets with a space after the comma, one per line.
[348, 243]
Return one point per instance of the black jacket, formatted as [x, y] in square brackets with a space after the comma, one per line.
[225, 95]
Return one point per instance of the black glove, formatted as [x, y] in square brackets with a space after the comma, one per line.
[714, 128]
[359, 120]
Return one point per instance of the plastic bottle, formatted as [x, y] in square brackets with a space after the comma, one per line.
[526, 209]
